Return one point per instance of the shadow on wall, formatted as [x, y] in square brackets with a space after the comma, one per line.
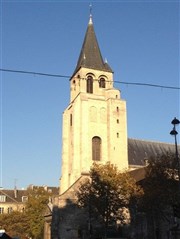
[71, 222]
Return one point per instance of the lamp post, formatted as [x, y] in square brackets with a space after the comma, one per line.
[173, 132]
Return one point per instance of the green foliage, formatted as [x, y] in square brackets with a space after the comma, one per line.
[35, 207]
[15, 224]
[30, 222]
[161, 187]
[108, 192]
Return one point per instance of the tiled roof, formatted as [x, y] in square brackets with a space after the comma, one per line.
[90, 56]
[140, 150]
[13, 195]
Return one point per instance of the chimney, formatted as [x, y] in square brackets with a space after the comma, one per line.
[15, 192]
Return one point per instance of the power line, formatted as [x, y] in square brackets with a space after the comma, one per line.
[34, 73]
[148, 84]
[66, 76]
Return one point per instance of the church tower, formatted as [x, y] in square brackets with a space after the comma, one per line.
[94, 123]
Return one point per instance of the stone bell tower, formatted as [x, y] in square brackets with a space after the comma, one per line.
[94, 123]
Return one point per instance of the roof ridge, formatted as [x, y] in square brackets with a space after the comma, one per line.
[151, 141]
[9, 196]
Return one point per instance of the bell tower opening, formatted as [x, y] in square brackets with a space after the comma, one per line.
[89, 85]
[102, 83]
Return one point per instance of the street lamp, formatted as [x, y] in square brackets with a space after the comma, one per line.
[173, 132]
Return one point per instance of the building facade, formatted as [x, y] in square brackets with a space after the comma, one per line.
[15, 199]
[12, 200]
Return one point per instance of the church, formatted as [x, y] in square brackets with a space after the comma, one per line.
[94, 130]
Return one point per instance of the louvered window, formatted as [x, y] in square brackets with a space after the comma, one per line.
[102, 83]
[96, 148]
[89, 84]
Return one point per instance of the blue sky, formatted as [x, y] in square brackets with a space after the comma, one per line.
[140, 40]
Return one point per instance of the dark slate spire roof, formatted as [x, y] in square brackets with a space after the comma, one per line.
[90, 56]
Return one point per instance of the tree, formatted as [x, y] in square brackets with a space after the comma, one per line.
[108, 192]
[161, 183]
[30, 222]
[36, 205]
[15, 224]
[161, 190]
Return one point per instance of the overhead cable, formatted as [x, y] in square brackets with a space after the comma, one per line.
[66, 76]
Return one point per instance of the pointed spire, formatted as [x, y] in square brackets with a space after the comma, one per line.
[90, 20]
[90, 16]
[90, 56]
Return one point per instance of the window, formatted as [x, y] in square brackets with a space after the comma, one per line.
[117, 109]
[9, 210]
[89, 86]
[117, 135]
[24, 198]
[1, 210]
[96, 148]
[2, 198]
[102, 83]
[117, 121]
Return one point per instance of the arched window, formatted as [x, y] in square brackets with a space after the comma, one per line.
[102, 83]
[96, 148]
[89, 85]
